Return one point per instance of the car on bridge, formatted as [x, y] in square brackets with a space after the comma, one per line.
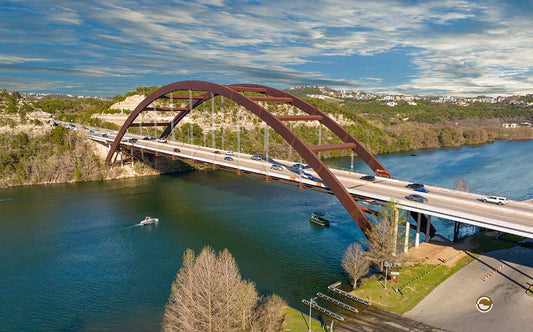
[422, 190]
[161, 140]
[217, 152]
[132, 140]
[371, 178]
[228, 158]
[230, 153]
[277, 167]
[257, 157]
[176, 150]
[299, 166]
[307, 176]
[495, 200]
[417, 198]
[105, 135]
[415, 185]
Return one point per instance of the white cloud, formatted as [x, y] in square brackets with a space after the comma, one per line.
[241, 39]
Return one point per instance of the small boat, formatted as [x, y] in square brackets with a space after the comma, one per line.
[316, 219]
[149, 221]
[414, 154]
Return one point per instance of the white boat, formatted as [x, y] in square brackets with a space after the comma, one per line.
[149, 220]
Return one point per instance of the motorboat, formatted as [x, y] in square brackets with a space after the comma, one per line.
[321, 221]
[149, 221]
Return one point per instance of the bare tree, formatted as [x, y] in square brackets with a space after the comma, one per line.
[271, 314]
[382, 238]
[210, 295]
[355, 262]
[461, 185]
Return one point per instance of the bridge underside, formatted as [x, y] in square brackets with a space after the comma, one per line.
[250, 96]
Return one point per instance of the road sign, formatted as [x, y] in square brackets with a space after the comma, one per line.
[394, 276]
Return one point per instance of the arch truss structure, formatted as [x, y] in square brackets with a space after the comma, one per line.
[236, 93]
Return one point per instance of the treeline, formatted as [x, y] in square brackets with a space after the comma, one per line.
[73, 109]
[59, 156]
[426, 111]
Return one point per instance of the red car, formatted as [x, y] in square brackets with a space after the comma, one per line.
[177, 150]
[217, 152]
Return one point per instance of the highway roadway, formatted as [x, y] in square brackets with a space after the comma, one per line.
[515, 217]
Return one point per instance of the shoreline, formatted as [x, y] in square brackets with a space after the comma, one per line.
[130, 172]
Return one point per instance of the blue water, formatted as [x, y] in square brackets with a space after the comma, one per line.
[72, 257]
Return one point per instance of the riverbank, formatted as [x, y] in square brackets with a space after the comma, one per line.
[427, 267]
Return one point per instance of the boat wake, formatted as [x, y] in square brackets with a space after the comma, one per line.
[5, 199]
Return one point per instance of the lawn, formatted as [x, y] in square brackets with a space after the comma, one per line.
[295, 321]
[418, 281]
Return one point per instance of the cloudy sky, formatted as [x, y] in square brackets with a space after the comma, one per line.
[443, 47]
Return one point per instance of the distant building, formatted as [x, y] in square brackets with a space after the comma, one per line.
[412, 103]
[391, 103]
[509, 125]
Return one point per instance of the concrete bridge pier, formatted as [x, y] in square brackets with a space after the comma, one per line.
[417, 236]
[428, 228]
[407, 228]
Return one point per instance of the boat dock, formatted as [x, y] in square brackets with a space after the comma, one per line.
[337, 302]
[323, 310]
[333, 288]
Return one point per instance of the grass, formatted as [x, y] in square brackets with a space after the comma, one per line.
[489, 243]
[295, 321]
[416, 282]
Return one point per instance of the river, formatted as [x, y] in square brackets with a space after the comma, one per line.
[73, 259]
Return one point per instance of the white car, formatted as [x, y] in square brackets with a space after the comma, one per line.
[230, 153]
[495, 200]
[161, 140]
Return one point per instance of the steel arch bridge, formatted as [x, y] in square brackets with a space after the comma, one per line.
[235, 92]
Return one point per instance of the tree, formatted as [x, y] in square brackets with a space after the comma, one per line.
[355, 262]
[209, 294]
[382, 237]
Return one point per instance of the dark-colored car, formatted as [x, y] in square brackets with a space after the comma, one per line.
[307, 176]
[105, 135]
[228, 158]
[298, 166]
[417, 198]
[371, 178]
[146, 138]
[132, 140]
[422, 190]
[217, 152]
[177, 150]
[415, 185]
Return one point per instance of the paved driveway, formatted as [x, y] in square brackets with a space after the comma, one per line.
[451, 306]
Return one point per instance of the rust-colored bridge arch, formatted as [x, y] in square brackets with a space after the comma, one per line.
[276, 122]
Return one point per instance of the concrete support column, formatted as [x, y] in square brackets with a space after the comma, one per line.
[417, 236]
[395, 239]
[407, 228]
[427, 228]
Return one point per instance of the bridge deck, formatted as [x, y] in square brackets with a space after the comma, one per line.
[515, 217]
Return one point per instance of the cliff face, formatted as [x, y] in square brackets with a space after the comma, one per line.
[128, 104]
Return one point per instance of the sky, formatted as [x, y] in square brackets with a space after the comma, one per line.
[105, 48]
